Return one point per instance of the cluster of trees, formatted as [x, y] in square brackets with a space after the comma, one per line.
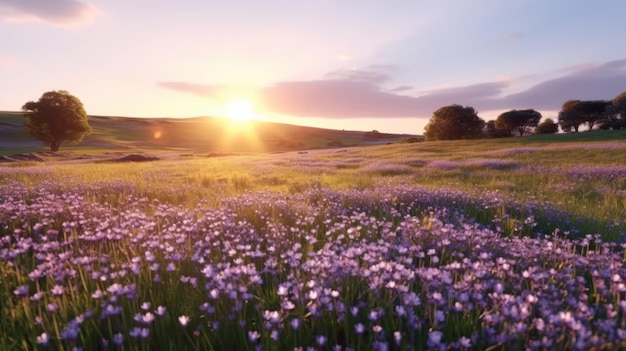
[462, 122]
[604, 114]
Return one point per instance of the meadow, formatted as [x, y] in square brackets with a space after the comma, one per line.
[508, 244]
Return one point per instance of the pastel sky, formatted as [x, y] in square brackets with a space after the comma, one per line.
[342, 64]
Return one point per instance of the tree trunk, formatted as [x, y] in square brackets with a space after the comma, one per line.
[54, 146]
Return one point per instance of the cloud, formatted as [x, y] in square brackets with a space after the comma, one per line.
[64, 13]
[337, 98]
[341, 94]
[366, 76]
[400, 89]
[471, 93]
[353, 94]
[362, 93]
[583, 82]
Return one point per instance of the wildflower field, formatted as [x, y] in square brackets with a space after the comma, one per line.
[467, 245]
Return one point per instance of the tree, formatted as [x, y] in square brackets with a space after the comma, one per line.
[575, 113]
[518, 120]
[454, 122]
[618, 105]
[58, 116]
[615, 114]
[569, 116]
[547, 127]
[593, 111]
[491, 131]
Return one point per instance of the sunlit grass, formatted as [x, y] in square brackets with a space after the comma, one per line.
[538, 174]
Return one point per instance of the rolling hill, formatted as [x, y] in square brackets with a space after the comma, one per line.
[190, 135]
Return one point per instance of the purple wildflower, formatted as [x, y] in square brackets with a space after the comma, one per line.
[184, 320]
[118, 339]
[160, 311]
[43, 339]
[21, 290]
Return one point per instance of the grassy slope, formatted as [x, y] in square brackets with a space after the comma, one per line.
[201, 134]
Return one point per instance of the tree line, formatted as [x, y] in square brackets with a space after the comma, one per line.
[462, 122]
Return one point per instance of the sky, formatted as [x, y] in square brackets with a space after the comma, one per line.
[340, 64]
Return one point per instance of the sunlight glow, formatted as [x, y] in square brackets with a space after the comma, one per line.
[241, 110]
[240, 124]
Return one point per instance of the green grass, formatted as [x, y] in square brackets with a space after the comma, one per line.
[587, 136]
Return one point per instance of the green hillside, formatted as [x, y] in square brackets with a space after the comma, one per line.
[199, 134]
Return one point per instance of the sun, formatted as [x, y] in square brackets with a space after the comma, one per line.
[240, 110]
[240, 128]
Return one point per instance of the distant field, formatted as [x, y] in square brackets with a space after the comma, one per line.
[201, 134]
[501, 244]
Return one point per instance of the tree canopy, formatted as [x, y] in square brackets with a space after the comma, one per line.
[458, 122]
[569, 116]
[492, 131]
[615, 113]
[547, 127]
[520, 121]
[56, 117]
[454, 122]
[593, 111]
[620, 101]
[575, 113]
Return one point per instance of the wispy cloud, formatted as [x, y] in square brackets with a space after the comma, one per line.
[64, 13]
[584, 82]
[362, 93]
[466, 95]
[400, 89]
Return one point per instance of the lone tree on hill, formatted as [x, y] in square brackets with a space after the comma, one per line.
[58, 116]
[521, 121]
[547, 127]
[454, 122]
